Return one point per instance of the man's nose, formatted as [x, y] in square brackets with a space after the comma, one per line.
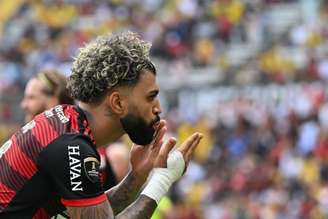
[157, 108]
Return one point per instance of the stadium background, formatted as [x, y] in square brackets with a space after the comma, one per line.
[250, 74]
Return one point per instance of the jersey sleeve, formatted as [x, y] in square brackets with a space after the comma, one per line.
[71, 163]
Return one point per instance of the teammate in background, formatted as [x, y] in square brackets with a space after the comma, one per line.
[118, 156]
[55, 155]
[44, 91]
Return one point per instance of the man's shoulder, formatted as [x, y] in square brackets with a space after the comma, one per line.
[62, 119]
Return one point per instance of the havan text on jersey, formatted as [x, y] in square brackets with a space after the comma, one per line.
[75, 167]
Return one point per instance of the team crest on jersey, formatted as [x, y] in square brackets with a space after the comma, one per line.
[91, 168]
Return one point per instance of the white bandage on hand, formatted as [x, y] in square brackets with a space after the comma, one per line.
[163, 178]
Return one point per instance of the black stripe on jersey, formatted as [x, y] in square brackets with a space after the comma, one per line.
[10, 177]
[81, 118]
[83, 124]
[56, 124]
[35, 194]
[29, 145]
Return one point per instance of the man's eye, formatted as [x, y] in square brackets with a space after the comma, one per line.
[152, 97]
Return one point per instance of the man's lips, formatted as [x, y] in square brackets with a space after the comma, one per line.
[156, 124]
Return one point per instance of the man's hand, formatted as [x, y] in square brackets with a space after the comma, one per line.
[143, 160]
[186, 148]
[169, 167]
[143, 157]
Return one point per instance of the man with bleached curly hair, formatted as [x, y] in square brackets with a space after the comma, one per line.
[51, 164]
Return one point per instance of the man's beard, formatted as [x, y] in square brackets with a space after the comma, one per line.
[138, 130]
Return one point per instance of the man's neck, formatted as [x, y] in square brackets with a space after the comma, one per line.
[105, 128]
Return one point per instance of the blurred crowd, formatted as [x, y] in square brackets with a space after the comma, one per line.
[257, 161]
[47, 34]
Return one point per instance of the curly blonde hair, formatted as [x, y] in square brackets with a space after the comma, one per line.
[110, 61]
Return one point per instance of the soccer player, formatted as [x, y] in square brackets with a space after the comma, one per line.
[44, 91]
[52, 163]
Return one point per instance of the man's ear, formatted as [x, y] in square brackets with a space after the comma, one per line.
[117, 102]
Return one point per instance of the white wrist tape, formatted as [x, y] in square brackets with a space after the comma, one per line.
[162, 178]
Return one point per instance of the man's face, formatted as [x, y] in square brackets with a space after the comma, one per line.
[35, 101]
[143, 111]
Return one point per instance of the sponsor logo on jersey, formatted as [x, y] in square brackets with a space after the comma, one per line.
[60, 113]
[75, 167]
[91, 168]
[49, 113]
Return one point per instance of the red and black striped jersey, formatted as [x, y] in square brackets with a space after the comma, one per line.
[50, 163]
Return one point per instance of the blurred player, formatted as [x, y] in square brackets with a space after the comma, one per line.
[118, 156]
[44, 91]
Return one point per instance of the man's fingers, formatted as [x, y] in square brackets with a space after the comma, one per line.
[193, 147]
[159, 137]
[168, 146]
[160, 124]
[188, 147]
[188, 143]
[165, 150]
[159, 134]
[195, 143]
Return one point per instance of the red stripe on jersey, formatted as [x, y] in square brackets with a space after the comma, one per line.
[19, 161]
[84, 202]
[6, 195]
[44, 133]
[41, 214]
